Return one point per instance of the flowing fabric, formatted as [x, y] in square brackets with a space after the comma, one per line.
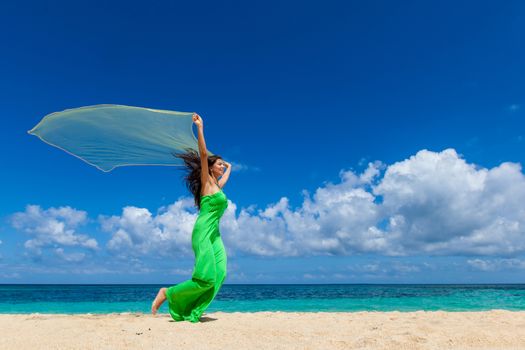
[107, 136]
[189, 299]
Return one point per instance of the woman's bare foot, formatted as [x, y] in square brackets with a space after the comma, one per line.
[159, 299]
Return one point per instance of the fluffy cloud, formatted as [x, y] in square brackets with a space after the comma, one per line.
[51, 228]
[138, 232]
[72, 257]
[437, 203]
[432, 203]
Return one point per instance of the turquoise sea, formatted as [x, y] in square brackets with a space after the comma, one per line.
[268, 297]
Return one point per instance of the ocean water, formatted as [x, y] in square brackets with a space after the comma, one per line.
[268, 297]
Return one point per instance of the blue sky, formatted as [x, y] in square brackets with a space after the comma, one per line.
[371, 142]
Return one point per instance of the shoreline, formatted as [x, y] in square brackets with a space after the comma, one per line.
[495, 329]
[165, 313]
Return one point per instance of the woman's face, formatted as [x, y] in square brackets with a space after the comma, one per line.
[218, 167]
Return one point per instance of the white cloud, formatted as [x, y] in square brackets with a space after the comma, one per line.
[496, 264]
[335, 221]
[242, 167]
[72, 257]
[433, 203]
[386, 268]
[52, 227]
[138, 232]
[439, 204]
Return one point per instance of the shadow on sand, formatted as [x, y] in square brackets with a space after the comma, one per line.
[202, 319]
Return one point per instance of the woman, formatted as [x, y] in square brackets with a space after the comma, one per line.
[188, 300]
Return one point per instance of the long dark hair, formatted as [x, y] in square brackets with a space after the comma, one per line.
[192, 160]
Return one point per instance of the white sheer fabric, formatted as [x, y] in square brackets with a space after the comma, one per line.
[108, 136]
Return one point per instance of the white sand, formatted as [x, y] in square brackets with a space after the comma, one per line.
[496, 329]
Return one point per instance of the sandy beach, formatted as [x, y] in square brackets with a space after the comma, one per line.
[496, 329]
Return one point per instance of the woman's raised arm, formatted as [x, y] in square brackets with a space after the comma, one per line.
[203, 152]
[226, 175]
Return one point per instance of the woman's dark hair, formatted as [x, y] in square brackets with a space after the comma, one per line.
[192, 160]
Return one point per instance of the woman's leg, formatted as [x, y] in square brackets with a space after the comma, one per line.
[159, 299]
[220, 267]
[221, 261]
[188, 299]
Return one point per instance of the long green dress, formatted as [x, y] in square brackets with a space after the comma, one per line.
[189, 299]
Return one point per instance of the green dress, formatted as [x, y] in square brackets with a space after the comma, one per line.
[189, 299]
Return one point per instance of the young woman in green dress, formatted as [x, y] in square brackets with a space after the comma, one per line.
[189, 299]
